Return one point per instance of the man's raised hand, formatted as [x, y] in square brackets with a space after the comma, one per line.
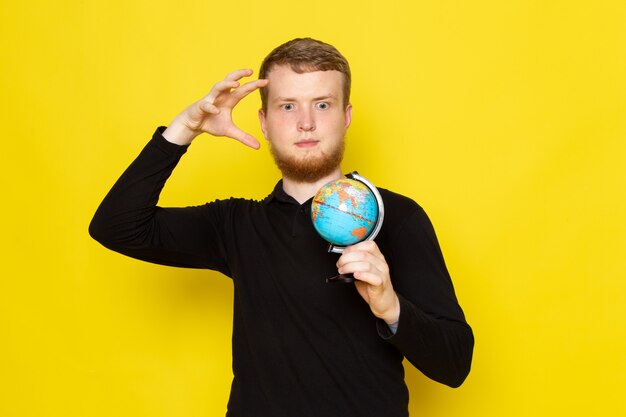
[213, 113]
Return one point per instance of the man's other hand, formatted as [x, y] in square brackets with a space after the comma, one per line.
[373, 283]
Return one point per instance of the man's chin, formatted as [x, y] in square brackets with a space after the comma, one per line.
[308, 169]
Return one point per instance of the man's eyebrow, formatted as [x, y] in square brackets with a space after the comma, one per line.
[325, 97]
[322, 97]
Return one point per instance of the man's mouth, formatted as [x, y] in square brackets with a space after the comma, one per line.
[307, 143]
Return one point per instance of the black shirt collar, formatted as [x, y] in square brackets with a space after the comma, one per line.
[279, 194]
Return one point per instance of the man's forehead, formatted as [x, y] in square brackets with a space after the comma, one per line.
[285, 70]
[283, 80]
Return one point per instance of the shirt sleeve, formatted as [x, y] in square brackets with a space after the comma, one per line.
[432, 332]
[129, 221]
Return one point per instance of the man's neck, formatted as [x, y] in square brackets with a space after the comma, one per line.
[302, 191]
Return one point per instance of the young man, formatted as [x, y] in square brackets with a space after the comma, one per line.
[301, 347]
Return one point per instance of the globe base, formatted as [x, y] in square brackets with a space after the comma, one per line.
[343, 278]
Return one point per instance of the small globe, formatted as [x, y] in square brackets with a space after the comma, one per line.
[344, 212]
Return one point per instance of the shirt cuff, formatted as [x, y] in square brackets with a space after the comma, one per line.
[165, 145]
[386, 331]
[393, 326]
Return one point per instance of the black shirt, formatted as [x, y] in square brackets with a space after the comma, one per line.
[301, 347]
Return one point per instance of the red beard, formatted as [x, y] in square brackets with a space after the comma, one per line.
[308, 169]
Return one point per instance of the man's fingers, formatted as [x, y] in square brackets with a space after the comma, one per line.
[238, 74]
[366, 260]
[238, 91]
[361, 262]
[362, 265]
[368, 277]
[249, 87]
[366, 246]
[209, 108]
[243, 137]
[220, 87]
[361, 251]
[213, 113]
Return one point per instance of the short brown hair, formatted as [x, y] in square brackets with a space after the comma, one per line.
[306, 55]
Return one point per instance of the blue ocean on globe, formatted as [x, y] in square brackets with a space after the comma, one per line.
[344, 212]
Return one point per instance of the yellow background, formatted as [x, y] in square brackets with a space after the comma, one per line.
[506, 120]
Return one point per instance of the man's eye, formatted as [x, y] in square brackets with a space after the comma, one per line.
[287, 106]
[322, 105]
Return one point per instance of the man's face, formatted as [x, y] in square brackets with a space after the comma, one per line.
[305, 122]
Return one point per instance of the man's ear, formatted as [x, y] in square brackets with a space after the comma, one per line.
[348, 114]
[262, 121]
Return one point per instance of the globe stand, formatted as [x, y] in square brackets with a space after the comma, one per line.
[343, 278]
[349, 278]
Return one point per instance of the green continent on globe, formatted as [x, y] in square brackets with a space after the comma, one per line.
[344, 212]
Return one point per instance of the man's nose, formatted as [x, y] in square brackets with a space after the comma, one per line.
[306, 123]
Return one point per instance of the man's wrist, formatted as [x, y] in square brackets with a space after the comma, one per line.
[392, 316]
[179, 134]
